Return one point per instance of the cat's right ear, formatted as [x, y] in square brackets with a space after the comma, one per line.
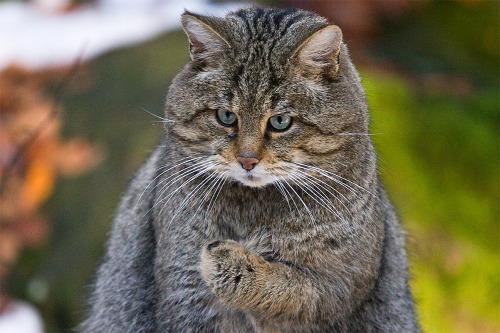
[205, 44]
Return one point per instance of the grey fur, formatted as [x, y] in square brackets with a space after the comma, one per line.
[211, 254]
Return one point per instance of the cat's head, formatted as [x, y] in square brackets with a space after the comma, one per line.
[265, 90]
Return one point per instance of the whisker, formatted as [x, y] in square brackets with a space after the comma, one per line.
[322, 199]
[291, 198]
[215, 181]
[298, 196]
[358, 133]
[313, 193]
[326, 173]
[170, 196]
[189, 196]
[192, 178]
[278, 186]
[215, 195]
[183, 160]
[179, 175]
[320, 185]
[163, 120]
[167, 121]
[323, 173]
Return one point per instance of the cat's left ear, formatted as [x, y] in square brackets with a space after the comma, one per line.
[205, 44]
[319, 54]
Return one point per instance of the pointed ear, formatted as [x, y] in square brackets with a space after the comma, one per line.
[319, 54]
[205, 44]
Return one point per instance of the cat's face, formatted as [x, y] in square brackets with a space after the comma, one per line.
[256, 109]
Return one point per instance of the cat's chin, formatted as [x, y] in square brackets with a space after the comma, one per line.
[253, 180]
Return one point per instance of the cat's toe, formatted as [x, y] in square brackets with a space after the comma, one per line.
[222, 249]
[213, 245]
[221, 265]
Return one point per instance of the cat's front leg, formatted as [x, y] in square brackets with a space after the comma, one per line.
[247, 281]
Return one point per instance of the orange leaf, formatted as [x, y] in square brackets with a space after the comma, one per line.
[39, 183]
[77, 156]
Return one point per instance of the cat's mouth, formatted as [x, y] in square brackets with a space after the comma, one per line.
[257, 177]
[251, 179]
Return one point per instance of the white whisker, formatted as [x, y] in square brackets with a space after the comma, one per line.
[190, 195]
[321, 186]
[215, 195]
[278, 186]
[302, 201]
[324, 201]
[163, 120]
[215, 181]
[192, 178]
[180, 162]
[291, 198]
[359, 133]
[330, 175]
[179, 175]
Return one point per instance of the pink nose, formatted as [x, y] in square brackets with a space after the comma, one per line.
[248, 163]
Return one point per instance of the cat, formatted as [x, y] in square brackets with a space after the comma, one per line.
[260, 210]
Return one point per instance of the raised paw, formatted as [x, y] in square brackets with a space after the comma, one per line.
[232, 272]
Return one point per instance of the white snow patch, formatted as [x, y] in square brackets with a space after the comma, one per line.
[20, 317]
[35, 35]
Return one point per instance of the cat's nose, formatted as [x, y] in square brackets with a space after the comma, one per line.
[247, 163]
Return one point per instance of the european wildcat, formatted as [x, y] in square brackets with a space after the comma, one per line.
[259, 211]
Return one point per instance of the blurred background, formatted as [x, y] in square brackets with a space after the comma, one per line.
[80, 80]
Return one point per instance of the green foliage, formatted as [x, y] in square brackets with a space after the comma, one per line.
[447, 37]
[439, 161]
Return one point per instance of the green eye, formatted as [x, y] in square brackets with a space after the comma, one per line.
[280, 123]
[226, 118]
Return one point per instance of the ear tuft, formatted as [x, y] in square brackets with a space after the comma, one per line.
[205, 44]
[319, 54]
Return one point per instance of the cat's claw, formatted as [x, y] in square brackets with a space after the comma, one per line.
[231, 271]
